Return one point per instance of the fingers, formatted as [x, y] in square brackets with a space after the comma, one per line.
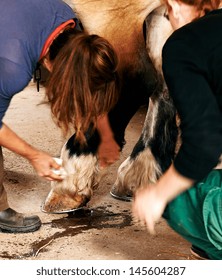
[150, 225]
[53, 177]
[104, 162]
[144, 211]
[145, 222]
[54, 171]
[55, 165]
[47, 167]
[108, 153]
[57, 171]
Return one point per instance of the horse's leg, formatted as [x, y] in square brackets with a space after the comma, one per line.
[137, 85]
[83, 176]
[154, 151]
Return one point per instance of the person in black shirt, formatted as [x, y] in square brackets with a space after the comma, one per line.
[189, 195]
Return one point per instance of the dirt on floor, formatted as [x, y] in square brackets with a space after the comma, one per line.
[104, 231]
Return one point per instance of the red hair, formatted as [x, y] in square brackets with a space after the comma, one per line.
[204, 6]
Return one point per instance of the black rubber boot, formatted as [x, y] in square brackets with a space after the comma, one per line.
[198, 254]
[13, 222]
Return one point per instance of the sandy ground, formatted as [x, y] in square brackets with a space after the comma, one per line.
[104, 232]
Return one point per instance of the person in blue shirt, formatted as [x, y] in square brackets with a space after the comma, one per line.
[83, 85]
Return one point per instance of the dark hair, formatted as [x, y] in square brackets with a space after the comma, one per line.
[84, 82]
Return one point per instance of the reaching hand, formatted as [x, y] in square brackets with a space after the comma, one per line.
[108, 152]
[148, 207]
[43, 164]
[151, 200]
[41, 161]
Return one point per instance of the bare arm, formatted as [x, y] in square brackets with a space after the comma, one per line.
[172, 184]
[41, 161]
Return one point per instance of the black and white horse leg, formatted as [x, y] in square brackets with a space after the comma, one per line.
[155, 148]
[153, 153]
[83, 176]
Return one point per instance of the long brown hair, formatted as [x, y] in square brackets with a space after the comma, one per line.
[84, 82]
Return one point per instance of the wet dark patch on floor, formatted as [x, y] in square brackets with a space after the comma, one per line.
[75, 223]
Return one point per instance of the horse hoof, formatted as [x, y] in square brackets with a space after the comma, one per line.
[63, 203]
[125, 195]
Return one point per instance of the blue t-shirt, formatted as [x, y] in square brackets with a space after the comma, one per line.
[24, 28]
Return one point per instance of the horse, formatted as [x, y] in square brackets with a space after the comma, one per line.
[138, 31]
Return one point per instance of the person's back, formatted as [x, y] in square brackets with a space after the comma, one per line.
[202, 44]
[24, 27]
[193, 75]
